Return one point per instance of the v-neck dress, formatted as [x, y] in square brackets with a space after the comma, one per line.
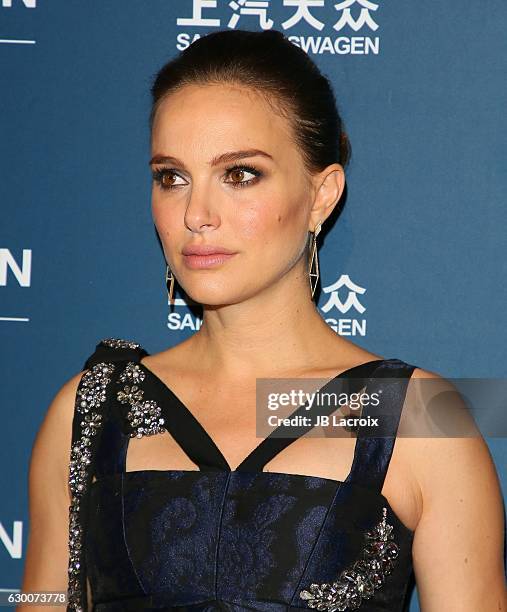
[222, 539]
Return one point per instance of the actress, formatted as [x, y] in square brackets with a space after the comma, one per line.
[164, 498]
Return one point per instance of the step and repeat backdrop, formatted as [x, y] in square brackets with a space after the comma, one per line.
[414, 267]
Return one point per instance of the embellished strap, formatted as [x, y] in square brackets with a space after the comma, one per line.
[376, 439]
[144, 416]
[380, 552]
[115, 349]
[86, 425]
[130, 415]
[91, 399]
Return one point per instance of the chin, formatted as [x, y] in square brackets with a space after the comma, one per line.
[214, 296]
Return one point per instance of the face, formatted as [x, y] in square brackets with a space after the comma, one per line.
[227, 175]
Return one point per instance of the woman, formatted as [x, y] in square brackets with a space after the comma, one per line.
[247, 156]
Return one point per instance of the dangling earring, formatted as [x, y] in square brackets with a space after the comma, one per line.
[314, 259]
[169, 281]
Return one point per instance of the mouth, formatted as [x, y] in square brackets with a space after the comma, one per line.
[200, 256]
[209, 260]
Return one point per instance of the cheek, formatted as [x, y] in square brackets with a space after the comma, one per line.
[273, 236]
[163, 216]
[263, 220]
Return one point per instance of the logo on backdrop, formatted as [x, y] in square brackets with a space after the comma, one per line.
[25, 3]
[15, 273]
[350, 325]
[13, 544]
[341, 28]
[21, 272]
[180, 320]
[7, 4]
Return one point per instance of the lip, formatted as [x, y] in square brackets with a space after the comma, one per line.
[199, 262]
[205, 249]
[200, 256]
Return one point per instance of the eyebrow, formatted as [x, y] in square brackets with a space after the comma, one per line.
[218, 159]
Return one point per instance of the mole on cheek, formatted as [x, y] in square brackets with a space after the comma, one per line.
[279, 218]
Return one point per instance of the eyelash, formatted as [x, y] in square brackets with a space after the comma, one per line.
[158, 175]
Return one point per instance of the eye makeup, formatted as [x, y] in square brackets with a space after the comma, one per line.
[159, 175]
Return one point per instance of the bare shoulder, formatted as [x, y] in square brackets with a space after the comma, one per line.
[61, 407]
[49, 495]
[445, 446]
[443, 432]
[51, 448]
[461, 524]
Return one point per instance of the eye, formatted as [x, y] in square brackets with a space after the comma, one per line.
[237, 173]
[165, 177]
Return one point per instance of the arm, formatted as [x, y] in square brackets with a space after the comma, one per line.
[458, 542]
[47, 554]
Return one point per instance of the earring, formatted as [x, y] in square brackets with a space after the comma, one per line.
[314, 259]
[169, 281]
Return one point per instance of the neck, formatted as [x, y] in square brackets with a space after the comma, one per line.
[276, 330]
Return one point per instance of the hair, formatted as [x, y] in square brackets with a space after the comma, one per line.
[267, 62]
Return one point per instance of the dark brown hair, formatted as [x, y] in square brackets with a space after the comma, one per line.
[274, 67]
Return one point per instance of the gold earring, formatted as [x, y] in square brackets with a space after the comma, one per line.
[169, 281]
[314, 260]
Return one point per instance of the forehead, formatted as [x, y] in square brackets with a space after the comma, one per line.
[215, 117]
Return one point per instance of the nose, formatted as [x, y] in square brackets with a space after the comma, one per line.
[200, 214]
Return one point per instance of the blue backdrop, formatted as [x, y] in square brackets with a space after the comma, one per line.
[414, 268]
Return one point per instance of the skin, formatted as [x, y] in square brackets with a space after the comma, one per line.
[259, 321]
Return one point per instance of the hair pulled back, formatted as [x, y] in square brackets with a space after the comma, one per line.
[281, 72]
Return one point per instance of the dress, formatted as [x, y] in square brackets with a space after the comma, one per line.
[221, 539]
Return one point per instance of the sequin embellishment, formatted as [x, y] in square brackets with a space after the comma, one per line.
[119, 343]
[144, 415]
[91, 393]
[362, 579]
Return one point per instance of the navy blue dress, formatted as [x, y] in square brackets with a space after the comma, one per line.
[222, 539]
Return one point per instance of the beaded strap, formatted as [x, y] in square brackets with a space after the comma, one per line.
[144, 416]
[115, 349]
[120, 343]
[87, 422]
[90, 396]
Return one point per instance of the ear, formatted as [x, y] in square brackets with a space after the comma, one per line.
[328, 187]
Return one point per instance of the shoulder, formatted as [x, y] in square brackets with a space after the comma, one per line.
[461, 524]
[437, 416]
[57, 420]
[52, 445]
[450, 460]
[50, 453]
